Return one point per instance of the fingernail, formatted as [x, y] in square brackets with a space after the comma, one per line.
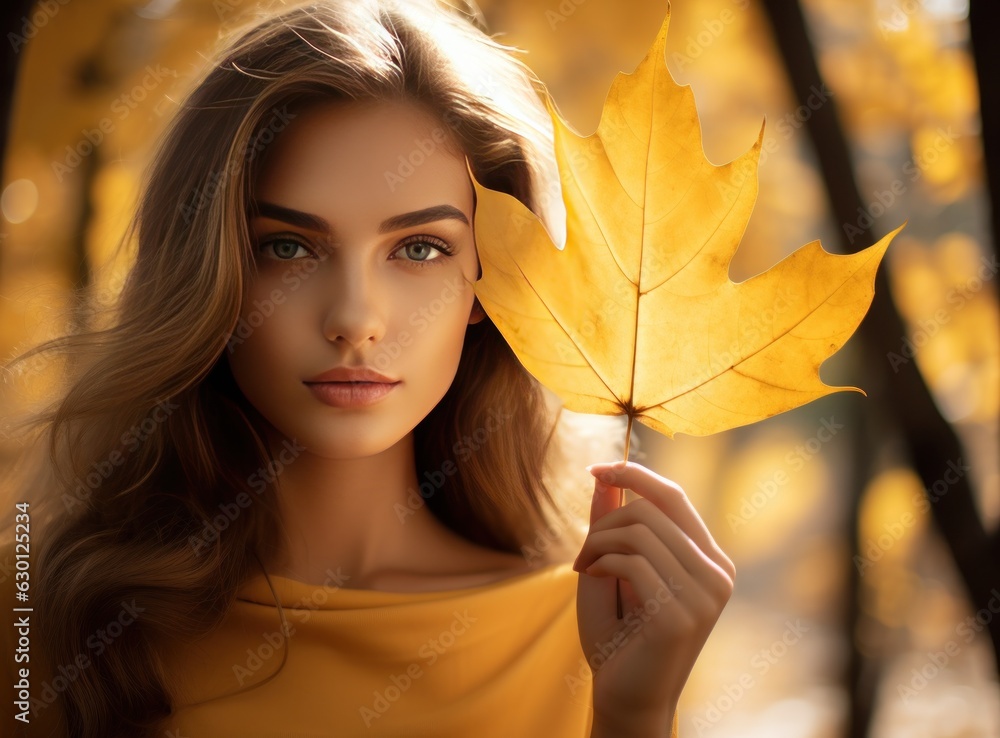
[608, 477]
[603, 465]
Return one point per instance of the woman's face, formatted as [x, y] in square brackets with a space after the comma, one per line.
[359, 206]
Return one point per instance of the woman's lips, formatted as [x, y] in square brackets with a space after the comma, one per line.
[350, 394]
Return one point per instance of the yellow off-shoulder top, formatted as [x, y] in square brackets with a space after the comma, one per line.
[503, 659]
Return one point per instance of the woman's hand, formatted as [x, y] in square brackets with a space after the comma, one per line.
[675, 581]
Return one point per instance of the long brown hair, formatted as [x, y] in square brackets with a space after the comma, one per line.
[148, 437]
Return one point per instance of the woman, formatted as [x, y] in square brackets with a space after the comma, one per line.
[299, 480]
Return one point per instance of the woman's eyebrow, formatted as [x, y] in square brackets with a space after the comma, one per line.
[396, 222]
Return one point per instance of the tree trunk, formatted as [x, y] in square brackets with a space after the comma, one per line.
[897, 390]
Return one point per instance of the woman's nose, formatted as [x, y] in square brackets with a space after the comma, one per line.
[357, 306]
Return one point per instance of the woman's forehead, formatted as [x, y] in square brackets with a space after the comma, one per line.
[357, 137]
[364, 161]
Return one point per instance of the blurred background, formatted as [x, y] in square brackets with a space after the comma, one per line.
[864, 529]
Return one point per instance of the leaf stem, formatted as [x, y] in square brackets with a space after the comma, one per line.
[621, 500]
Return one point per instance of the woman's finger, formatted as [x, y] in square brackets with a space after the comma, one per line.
[653, 592]
[605, 500]
[647, 530]
[671, 499]
[637, 540]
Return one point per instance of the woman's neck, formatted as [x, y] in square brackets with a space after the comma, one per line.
[364, 523]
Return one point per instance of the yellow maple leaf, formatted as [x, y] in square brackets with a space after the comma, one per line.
[637, 315]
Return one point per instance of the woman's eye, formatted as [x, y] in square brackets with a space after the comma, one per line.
[284, 249]
[423, 249]
[420, 250]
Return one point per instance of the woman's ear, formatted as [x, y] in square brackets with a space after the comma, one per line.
[477, 313]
